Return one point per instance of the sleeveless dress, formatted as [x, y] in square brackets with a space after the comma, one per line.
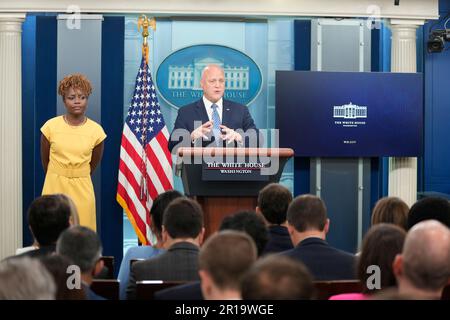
[69, 170]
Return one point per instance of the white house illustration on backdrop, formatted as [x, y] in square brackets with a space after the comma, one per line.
[349, 111]
[188, 76]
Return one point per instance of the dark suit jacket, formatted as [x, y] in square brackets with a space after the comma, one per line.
[188, 291]
[323, 261]
[179, 263]
[279, 240]
[234, 116]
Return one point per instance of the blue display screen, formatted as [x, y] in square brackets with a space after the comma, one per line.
[350, 114]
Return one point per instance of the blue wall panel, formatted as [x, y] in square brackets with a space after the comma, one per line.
[112, 81]
[28, 114]
[39, 102]
[437, 115]
[302, 61]
[302, 48]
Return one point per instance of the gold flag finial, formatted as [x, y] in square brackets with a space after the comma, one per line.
[144, 22]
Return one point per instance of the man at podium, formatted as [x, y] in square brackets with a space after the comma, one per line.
[212, 121]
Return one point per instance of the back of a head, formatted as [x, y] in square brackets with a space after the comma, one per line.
[390, 294]
[426, 255]
[379, 248]
[48, 216]
[183, 218]
[390, 210]
[307, 213]
[58, 266]
[81, 245]
[277, 277]
[160, 204]
[226, 256]
[75, 218]
[273, 201]
[432, 208]
[25, 279]
[250, 223]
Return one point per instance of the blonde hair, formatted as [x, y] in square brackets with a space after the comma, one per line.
[74, 218]
[74, 81]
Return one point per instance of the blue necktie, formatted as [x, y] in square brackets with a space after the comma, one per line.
[216, 123]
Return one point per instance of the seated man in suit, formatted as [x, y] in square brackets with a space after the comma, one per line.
[182, 233]
[145, 252]
[48, 216]
[422, 269]
[212, 120]
[83, 247]
[273, 202]
[224, 259]
[308, 225]
[246, 221]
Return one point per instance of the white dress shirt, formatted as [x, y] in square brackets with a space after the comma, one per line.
[210, 110]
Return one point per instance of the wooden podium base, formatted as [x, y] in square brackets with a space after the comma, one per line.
[217, 208]
[228, 191]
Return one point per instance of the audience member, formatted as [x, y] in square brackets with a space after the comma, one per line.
[25, 279]
[74, 218]
[74, 221]
[273, 202]
[277, 277]
[223, 260]
[423, 268]
[379, 247]
[48, 216]
[146, 252]
[389, 294]
[58, 266]
[432, 208]
[250, 223]
[390, 210]
[308, 225]
[182, 233]
[83, 248]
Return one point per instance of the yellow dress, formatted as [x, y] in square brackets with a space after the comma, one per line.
[69, 168]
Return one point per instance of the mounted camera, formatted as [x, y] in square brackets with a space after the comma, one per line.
[437, 39]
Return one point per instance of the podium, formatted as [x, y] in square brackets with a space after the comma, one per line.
[226, 180]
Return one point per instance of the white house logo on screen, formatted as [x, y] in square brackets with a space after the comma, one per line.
[178, 76]
[349, 113]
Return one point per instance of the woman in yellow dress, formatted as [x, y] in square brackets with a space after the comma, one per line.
[71, 149]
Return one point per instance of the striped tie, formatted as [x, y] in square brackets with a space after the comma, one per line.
[216, 123]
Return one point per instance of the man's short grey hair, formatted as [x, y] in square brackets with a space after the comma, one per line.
[426, 255]
[81, 245]
[25, 279]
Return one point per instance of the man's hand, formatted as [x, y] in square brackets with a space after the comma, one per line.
[230, 135]
[202, 131]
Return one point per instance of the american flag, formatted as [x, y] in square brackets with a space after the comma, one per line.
[145, 168]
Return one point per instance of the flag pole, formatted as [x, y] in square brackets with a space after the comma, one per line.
[145, 168]
[145, 22]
